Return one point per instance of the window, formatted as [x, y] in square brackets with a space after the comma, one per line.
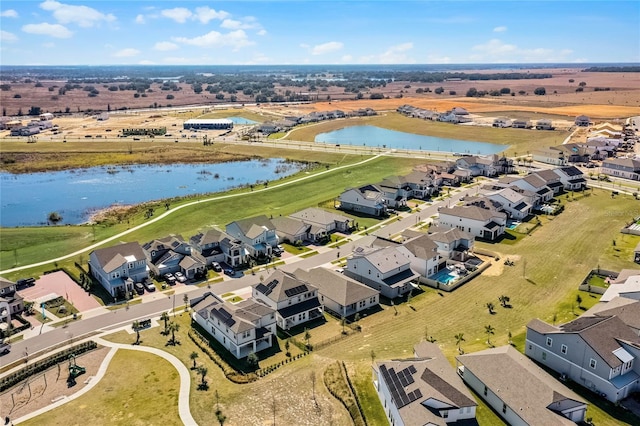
[445, 414]
[530, 347]
[592, 363]
[549, 341]
[504, 408]
[485, 391]
[563, 349]
[544, 356]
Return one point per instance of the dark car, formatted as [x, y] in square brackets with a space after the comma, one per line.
[216, 267]
[148, 285]
[139, 288]
[169, 278]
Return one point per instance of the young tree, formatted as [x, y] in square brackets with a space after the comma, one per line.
[165, 317]
[579, 300]
[489, 330]
[202, 371]
[307, 337]
[343, 322]
[136, 327]
[185, 299]
[221, 417]
[173, 327]
[287, 346]
[504, 301]
[193, 356]
[372, 354]
[490, 307]
[459, 339]
[252, 360]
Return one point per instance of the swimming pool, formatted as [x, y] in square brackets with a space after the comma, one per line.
[512, 224]
[444, 275]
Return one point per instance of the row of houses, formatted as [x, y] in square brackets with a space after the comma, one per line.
[32, 128]
[291, 121]
[425, 181]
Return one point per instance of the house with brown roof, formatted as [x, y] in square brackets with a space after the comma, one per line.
[386, 269]
[423, 390]
[294, 300]
[598, 352]
[116, 268]
[248, 326]
[477, 221]
[425, 259]
[518, 390]
[323, 220]
[535, 184]
[339, 294]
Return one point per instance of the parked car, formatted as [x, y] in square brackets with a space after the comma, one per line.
[216, 267]
[148, 285]
[180, 277]
[5, 348]
[139, 288]
[169, 278]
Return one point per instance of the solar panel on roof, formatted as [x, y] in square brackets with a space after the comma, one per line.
[295, 291]
[412, 369]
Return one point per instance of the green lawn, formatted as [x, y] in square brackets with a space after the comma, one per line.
[146, 394]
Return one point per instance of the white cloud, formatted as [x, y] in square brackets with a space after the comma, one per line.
[165, 45]
[126, 53]
[500, 29]
[262, 32]
[53, 30]
[140, 19]
[81, 15]
[496, 50]
[396, 55]
[325, 48]
[235, 39]
[49, 45]
[178, 14]
[7, 37]
[206, 14]
[9, 13]
[247, 23]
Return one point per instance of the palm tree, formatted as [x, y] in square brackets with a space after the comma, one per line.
[193, 357]
[579, 300]
[202, 370]
[343, 322]
[504, 301]
[489, 330]
[307, 336]
[490, 307]
[185, 299]
[173, 327]
[136, 327]
[165, 317]
[459, 339]
[221, 418]
[287, 345]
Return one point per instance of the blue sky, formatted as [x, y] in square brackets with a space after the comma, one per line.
[59, 32]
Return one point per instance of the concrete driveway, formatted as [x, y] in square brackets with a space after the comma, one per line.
[61, 284]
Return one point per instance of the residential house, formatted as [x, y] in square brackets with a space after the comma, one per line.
[518, 390]
[257, 234]
[628, 287]
[166, 255]
[487, 165]
[422, 184]
[627, 168]
[521, 124]
[511, 202]
[550, 155]
[452, 243]
[324, 220]
[396, 191]
[235, 253]
[423, 390]
[551, 180]
[582, 121]
[598, 352]
[292, 230]
[477, 221]
[502, 122]
[425, 259]
[47, 116]
[268, 127]
[544, 124]
[242, 328]
[294, 300]
[206, 246]
[11, 303]
[384, 269]
[572, 178]
[536, 185]
[339, 294]
[116, 268]
[628, 310]
[368, 199]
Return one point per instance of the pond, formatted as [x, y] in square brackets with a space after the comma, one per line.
[378, 137]
[241, 120]
[27, 199]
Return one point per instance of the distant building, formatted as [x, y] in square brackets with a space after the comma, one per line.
[46, 116]
[208, 124]
[582, 121]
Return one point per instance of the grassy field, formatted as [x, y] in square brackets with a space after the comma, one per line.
[519, 141]
[146, 395]
[28, 245]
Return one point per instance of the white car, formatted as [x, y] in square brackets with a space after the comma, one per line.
[180, 277]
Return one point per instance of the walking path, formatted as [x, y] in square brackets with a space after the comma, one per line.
[183, 395]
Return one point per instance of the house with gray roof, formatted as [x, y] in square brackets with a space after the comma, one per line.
[550, 155]
[165, 254]
[116, 268]
[11, 303]
[452, 243]
[598, 352]
[291, 230]
[340, 295]
[367, 199]
[582, 121]
[206, 246]
[572, 178]
[626, 168]
[518, 390]
[511, 202]
[535, 184]
[426, 259]
[477, 221]
[628, 310]
[258, 235]
[423, 390]
[386, 269]
[248, 326]
[294, 299]
[323, 219]
[551, 179]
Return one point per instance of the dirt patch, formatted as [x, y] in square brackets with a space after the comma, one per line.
[45, 388]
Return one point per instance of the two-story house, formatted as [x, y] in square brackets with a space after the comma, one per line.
[423, 390]
[367, 199]
[536, 185]
[11, 303]
[257, 234]
[324, 219]
[386, 269]
[452, 243]
[511, 202]
[206, 246]
[627, 168]
[477, 221]
[551, 179]
[518, 390]
[172, 254]
[598, 352]
[116, 268]
[242, 328]
[425, 259]
[572, 178]
[294, 300]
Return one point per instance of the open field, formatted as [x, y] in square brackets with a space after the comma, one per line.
[147, 394]
[30, 246]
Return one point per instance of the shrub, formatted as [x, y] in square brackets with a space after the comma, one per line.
[540, 91]
[170, 97]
